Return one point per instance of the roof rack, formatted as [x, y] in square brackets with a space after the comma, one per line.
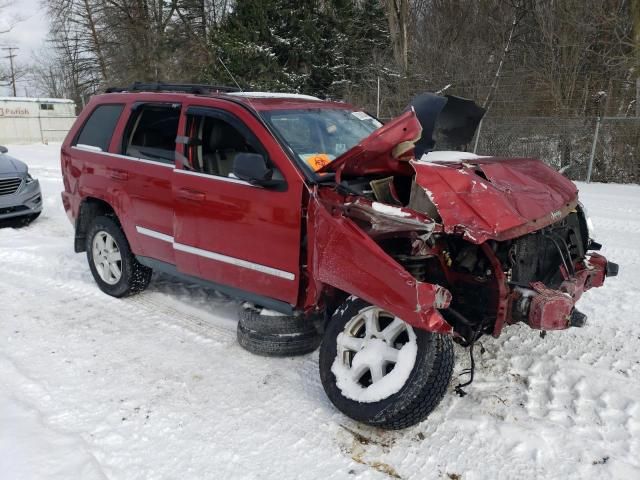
[194, 88]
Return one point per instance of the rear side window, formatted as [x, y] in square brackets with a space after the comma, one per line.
[98, 129]
[151, 133]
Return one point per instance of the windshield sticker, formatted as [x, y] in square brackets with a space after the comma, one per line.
[317, 160]
[365, 116]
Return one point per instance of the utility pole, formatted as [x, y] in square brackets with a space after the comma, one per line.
[11, 56]
[638, 97]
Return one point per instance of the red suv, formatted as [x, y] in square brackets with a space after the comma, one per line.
[317, 215]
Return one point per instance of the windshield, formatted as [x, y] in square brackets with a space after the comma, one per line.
[318, 136]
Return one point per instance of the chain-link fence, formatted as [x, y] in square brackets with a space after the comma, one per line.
[569, 144]
[528, 121]
[610, 144]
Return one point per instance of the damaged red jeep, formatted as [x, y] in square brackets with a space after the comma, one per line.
[322, 219]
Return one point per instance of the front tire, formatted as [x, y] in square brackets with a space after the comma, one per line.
[377, 369]
[113, 265]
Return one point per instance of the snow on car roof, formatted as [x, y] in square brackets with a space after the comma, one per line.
[299, 96]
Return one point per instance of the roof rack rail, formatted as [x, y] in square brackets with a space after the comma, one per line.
[194, 88]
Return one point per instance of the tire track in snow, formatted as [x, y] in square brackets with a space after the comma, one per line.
[140, 306]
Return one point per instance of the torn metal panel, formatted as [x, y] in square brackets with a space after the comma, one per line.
[382, 151]
[495, 199]
[343, 256]
[385, 218]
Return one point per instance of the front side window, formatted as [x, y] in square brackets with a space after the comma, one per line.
[98, 129]
[215, 141]
[215, 144]
[320, 135]
[151, 133]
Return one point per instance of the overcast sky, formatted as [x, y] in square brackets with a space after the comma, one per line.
[28, 35]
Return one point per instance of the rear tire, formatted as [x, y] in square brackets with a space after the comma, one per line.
[409, 383]
[276, 336]
[113, 265]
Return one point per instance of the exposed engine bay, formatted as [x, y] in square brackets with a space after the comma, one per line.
[476, 242]
[475, 274]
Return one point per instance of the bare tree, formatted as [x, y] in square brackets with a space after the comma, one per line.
[6, 22]
[398, 17]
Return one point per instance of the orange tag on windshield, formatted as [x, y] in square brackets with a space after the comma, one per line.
[318, 161]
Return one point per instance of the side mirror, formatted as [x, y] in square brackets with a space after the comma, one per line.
[3, 150]
[252, 168]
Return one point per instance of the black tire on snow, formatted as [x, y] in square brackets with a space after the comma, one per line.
[421, 393]
[28, 219]
[19, 222]
[135, 276]
[276, 336]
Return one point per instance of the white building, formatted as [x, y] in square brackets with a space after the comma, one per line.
[35, 120]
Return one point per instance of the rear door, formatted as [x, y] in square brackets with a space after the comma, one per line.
[229, 231]
[124, 154]
[148, 153]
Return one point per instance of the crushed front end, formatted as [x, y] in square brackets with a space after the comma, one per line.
[451, 242]
[536, 278]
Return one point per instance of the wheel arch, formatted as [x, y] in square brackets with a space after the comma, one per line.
[90, 208]
[344, 257]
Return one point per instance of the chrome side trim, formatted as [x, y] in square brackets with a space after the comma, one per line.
[153, 234]
[124, 157]
[238, 262]
[90, 148]
[215, 177]
[234, 261]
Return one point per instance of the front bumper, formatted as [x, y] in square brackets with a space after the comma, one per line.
[26, 201]
[550, 309]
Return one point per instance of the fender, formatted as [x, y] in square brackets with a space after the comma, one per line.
[343, 256]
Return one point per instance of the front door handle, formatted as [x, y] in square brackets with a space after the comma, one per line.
[118, 174]
[189, 194]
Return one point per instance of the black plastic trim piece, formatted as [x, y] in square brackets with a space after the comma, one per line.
[194, 88]
[170, 269]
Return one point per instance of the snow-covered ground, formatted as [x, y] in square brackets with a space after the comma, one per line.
[156, 387]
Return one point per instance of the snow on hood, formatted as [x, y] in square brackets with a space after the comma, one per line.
[448, 156]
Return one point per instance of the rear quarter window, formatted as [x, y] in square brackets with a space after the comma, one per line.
[98, 129]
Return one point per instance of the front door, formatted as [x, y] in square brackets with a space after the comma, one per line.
[226, 230]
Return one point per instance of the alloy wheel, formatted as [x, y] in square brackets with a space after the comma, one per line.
[107, 257]
[375, 354]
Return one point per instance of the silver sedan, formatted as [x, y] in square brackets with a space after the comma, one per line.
[20, 196]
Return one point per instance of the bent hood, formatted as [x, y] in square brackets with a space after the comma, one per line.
[494, 198]
[383, 150]
[481, 198]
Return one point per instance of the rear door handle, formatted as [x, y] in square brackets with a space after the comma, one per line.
[118, 174]
[189, 194]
